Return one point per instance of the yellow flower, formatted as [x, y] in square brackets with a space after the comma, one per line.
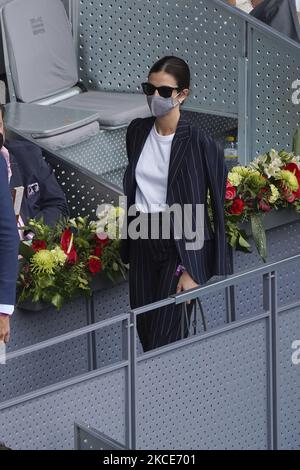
[275, 194]
[59, 256]
[243, 171]
[235, 179]
[43, 262]
[289, 180]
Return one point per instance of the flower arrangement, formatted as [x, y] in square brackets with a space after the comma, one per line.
[271, 181]
[61, 262]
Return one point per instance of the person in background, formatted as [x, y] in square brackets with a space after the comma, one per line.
[43, 197]
[9, 248]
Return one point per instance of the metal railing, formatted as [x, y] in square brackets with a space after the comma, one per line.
[132, 361]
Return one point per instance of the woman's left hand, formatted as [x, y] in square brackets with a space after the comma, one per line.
[186, 283]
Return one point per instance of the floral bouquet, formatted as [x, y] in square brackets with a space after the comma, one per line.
[61, 262]
[271, 181]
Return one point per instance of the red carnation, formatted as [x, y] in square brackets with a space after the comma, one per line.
[230, 191]
[38, 245]
[237, 206]
[95, 265]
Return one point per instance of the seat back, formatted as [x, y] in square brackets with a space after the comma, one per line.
[280, 15]
[40, 48]
[2, 65]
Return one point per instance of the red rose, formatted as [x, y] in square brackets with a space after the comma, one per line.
[68, 247]
[98, 251]
[38, 245]
[237, 206]
[95, 265]
[230, 191]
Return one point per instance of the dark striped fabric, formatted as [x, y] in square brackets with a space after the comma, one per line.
[196, 167]
[153, 264]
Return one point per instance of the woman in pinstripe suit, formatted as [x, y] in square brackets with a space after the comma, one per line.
[170, 162]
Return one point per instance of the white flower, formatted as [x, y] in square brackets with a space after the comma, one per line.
[274, 154]
[273, 168]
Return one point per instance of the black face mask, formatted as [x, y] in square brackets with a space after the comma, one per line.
[1, 140]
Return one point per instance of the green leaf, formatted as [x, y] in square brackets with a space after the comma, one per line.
[26, 251]
[243, 243]
[259, 235]
[57, 300]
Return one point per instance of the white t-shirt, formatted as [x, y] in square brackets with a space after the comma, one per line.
[152, 172]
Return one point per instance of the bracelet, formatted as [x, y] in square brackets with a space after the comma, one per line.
[180, 269]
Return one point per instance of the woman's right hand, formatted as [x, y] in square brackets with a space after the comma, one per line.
[4, 328]
[186, 282]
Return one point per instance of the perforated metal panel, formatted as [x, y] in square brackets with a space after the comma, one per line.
[282, 242]
[43, 368]
[83, 192]
[211, 124]
[47, 422]
[100, 154]
[105, 154]
[226, 403]
[40, 369]
[87, 438]
[120, 40]
[289, 373]
[273, 66]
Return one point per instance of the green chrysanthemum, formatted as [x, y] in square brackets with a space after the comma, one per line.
[289, 180]
[255, 180]
[243, 171]
[59, 256]
[43, 262]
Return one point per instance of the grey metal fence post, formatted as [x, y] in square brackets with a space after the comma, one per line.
[133, 373]
[275, 375]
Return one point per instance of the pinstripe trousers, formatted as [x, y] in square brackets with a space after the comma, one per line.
[153, 264]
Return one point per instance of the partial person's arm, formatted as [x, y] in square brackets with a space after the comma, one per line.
[9, 248]
[217, 176]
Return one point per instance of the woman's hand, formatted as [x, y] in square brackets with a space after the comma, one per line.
[4, 328]
[186, 283]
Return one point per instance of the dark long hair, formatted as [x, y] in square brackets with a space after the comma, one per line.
[176, 67]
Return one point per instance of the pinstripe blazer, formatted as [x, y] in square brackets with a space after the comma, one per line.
[196, 167]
